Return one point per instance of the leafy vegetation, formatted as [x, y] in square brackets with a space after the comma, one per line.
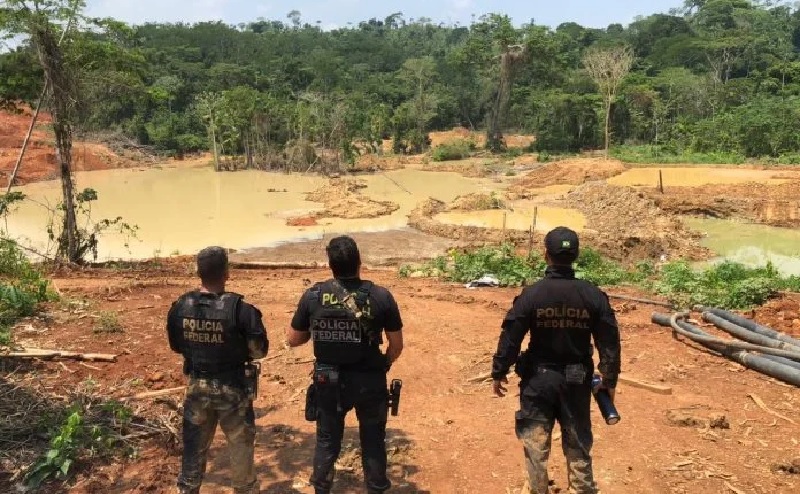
[108, 322]
[706, 78]
[85, 432]
[22, 288]
[726, 285]
[453, 150]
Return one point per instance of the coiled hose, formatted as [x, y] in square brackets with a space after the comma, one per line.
[735, 350]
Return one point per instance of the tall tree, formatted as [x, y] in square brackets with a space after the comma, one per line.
[608, 67]
[42, 20]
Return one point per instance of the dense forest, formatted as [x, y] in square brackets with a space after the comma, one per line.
[717, 76]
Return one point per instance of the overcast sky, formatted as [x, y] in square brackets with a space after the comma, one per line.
[337, 13]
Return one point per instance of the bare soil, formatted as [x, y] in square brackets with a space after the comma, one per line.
[342, 199]
[566, 172]
[452, 435]
[775, 205]
[39, 162]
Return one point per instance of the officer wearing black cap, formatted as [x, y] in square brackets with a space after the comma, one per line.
[345, 317]
[217, 333]
[563, 315]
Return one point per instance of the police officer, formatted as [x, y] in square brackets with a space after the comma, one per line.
[562, 314]
[345, 317]
[217, 333]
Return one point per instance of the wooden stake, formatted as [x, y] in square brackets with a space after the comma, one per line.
[535, 216]
[655, 388]
[45, 354]
[504, 225]
[153, 394]
[660, 182]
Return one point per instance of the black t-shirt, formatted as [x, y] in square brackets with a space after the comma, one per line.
[383, 309]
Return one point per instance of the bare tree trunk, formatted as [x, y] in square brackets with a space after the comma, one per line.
[608, 123]
[35, 116]
[61, 87]
[214, 144]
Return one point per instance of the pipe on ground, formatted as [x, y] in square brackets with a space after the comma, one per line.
[746, 334]
[759, 363]
[751, 325]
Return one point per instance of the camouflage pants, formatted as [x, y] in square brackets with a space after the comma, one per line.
[208, 403]
[545, 399]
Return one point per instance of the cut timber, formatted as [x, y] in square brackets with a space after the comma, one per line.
[154, 394]
[640, 300]
[655, 388]
[45, 354]
[277, 265]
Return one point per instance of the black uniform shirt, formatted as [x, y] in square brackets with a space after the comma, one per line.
[563, 315]
[383, 309]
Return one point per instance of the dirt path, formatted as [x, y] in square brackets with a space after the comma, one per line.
[451, 436]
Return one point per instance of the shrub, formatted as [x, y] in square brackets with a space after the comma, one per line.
[452, 150]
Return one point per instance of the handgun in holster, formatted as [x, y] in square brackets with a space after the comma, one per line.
[252, 371]
[524, 367]
[323, 375]
[393, 396]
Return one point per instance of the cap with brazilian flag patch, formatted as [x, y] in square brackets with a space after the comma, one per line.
[562, 241]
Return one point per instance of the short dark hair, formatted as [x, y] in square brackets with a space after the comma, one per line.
[343, 257]
[212, 263]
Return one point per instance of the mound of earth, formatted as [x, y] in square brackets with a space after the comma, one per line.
[476, 202]
[567, 172]
[775, 205]
[479, 138]
[626, 224]
[342, 199]
[39, 162]
[467, 168]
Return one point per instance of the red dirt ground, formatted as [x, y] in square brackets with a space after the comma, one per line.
[452, 435]
[39, 162]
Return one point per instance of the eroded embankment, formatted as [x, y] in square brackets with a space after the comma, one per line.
[621, 222]
[774, 205]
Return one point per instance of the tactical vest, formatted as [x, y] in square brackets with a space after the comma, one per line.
[212, 341]
[340, 327]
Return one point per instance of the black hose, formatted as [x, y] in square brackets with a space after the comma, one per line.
[785, 373]
[714, 342]
[746, 334]
[784, 361]
[751, 325]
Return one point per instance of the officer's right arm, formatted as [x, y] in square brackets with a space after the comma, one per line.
[515, 327]
[300, 332]
[393, 326]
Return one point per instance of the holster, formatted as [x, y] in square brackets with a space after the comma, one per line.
[252, 371]
[525, 366]
[325, 381]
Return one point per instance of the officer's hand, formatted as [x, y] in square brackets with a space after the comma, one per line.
[498, 388]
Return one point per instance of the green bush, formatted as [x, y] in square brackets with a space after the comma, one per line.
[452, 150]
[22, 288]
[648, 154]
[726, 285]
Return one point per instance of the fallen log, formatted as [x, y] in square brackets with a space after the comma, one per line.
[655, 388]
[153, 394]
[48, 354]
[640, 300]
[276, 265]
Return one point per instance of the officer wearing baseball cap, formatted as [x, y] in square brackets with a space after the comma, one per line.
[563, 315]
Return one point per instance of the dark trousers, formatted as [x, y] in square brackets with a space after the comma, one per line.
[366, 392]
[208, 403]
[544, 399]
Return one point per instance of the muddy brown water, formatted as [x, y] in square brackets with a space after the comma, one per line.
[181, 210]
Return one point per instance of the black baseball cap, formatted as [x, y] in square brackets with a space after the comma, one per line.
[562, 243]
